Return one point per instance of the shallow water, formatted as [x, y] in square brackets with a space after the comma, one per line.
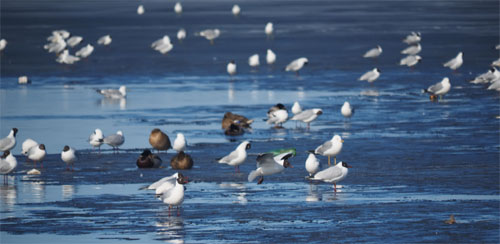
[415, 162]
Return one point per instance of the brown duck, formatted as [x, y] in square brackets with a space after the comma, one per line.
[159, 140]
[148, 160]
[230, 118]
[234, 130]
[181, 161]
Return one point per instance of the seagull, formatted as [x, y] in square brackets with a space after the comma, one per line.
[162, 45]
[85, 51]
[268, 164]
[159, 140]
[412, 50]
[178, 8]
[66, 58]
[277, 114]
[27, 145]
[8, 142]
[413, 38]
[104, 40]
[231, 68]
[23, 80]
[3, 44]
[140, 10]
[96, 139]
[7, 164]
[68, 155]
[496, 63]
[456, 62]
[148, 160]
[63, 33]
[371, 75]
[74, 40]
[236, 157]
[495, 85]
[296, 108]
[253, 60]
[37, 154]
[487, 77]
[115, 140]
[163, 184]
[236, 10]
[179, 143]
[312, 164]
[373, 53]
[270, 57]
[210, 34]
[181, 34]
[307, 116]
[440, 88]
[56, 46]
[296, 65]
[330, 148]
[113, 93]
[174, 196]
[181, 161]
[347, 110]
[410, 60]
[269, 29]
[333, 174]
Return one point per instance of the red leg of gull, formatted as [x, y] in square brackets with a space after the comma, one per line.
[335, 187]
[178, 211]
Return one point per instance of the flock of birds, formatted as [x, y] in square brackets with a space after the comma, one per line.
[171, 189]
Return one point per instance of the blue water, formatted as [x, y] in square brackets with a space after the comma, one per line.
[415, 161]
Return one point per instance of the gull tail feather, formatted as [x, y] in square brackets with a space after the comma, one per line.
[252, 175]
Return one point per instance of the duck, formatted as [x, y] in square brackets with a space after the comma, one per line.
[159, 140]
[181, 161]
[148, 160]
[234, 130]
[230, 118]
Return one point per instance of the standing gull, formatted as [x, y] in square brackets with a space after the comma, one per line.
[412, 50]
[268, 164]
[253, 60]
[270, 57]
[113, 93]
[3, 44]
[37, 154]
[96, 139]
[347, 110]
[307, 116]
[371, 75]
[373, 53]
[231, 68]
[210, 34]
[277, 115]
[68, 155]
[413, 38]
[333, 174]
[440, 88]
[296, 65]
[140, 10]
[178, 8]
[296, 108]
[236, 10]
[162, 45]
[179, 143]
[174, 196]
[27, 145]
[410, 60]
[115, 140]
[236, 157]
[312, 164]
[66, 58]
[7, 164]
[330, 148]
[181, 34]
[455, 62]
[269, 29]
[104, 40]
[74, 40]
[8, 142]
[85, 51]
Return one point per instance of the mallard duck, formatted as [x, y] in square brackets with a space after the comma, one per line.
[148, 160]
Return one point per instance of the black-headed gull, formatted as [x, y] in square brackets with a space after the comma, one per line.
[373, 53]
[277, 115]
[68, 155]
[455, 62]
[312, 164]
[74, 40]
[27, 145]
[66, 58]
[148, 160]
[236, 157]
[414, 37]
[162, 45]
[8, 142]
[174, 196]
[210, 34]
[104, 40]
[96, 139]
[85, 51]
[113, 93]
[37, 154]
[412, 50]
[231, 68]
[333, 174]
[347, 110]
[296, 65]
[163, 184]
[330, 148]
[179, 143]
[440, 88]
[371, 75]
[115, 140]
[159, 140]
[268, 164]
[308, 115]
[270, 57]
[487, 77]
[7, 164]
[410, 60]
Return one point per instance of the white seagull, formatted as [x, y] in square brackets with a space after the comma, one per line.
[330, 148]
[333, 174]
[373, 53]
[68, 155]
[312, 164]
[269, 29]
[178, 8]
[253, 60]
[412, 50]
[410, 60]
[270, 57]
[115, 140]
[96, 139]
[455, 62]
[296, 108]
[495, 85]
[210, 34]
[66, 58]
[7, 164]
[174, 196]
[8, 142]
[85, 51]
[347, 110]
[3, 44]
[413, 38]
[37, 154]
[140, 10]
[179, 143]
[268, 164]
[23, 80]
[27, 145]
[496, 63]
[113, 93]
[181, 34]
[162, 45]
[56, 46]
[440, 88]
[74, 40]
[163, 184]
[296, 65]
[371, 75]
[487, 77]
[277, 114]
[236, 157]
[104, 40]
[236, 10]
[307, 116]
[231, 68]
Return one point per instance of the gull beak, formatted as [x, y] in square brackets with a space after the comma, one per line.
[342, 141]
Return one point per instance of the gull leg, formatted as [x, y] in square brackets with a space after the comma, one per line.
[260, 180]
[335, 187]
[329, 161]
[335, 158]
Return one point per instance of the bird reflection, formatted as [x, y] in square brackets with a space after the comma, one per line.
[68, 191]
[170, 229]
[312, 194]
[230, 92]
[8, 197]
[109, 102]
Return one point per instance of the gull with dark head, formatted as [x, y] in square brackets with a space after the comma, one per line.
[371, 75]
[412, 50]
[413, 38]
[113, 93]
[68, 155]
[8, 142]
[373, 53]
[7, 164]
[231, 68]
[277, 115]
[296, 65]
[37, 154]
[333, 174]
[96, 139]
[236, 157]
[268, 164]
